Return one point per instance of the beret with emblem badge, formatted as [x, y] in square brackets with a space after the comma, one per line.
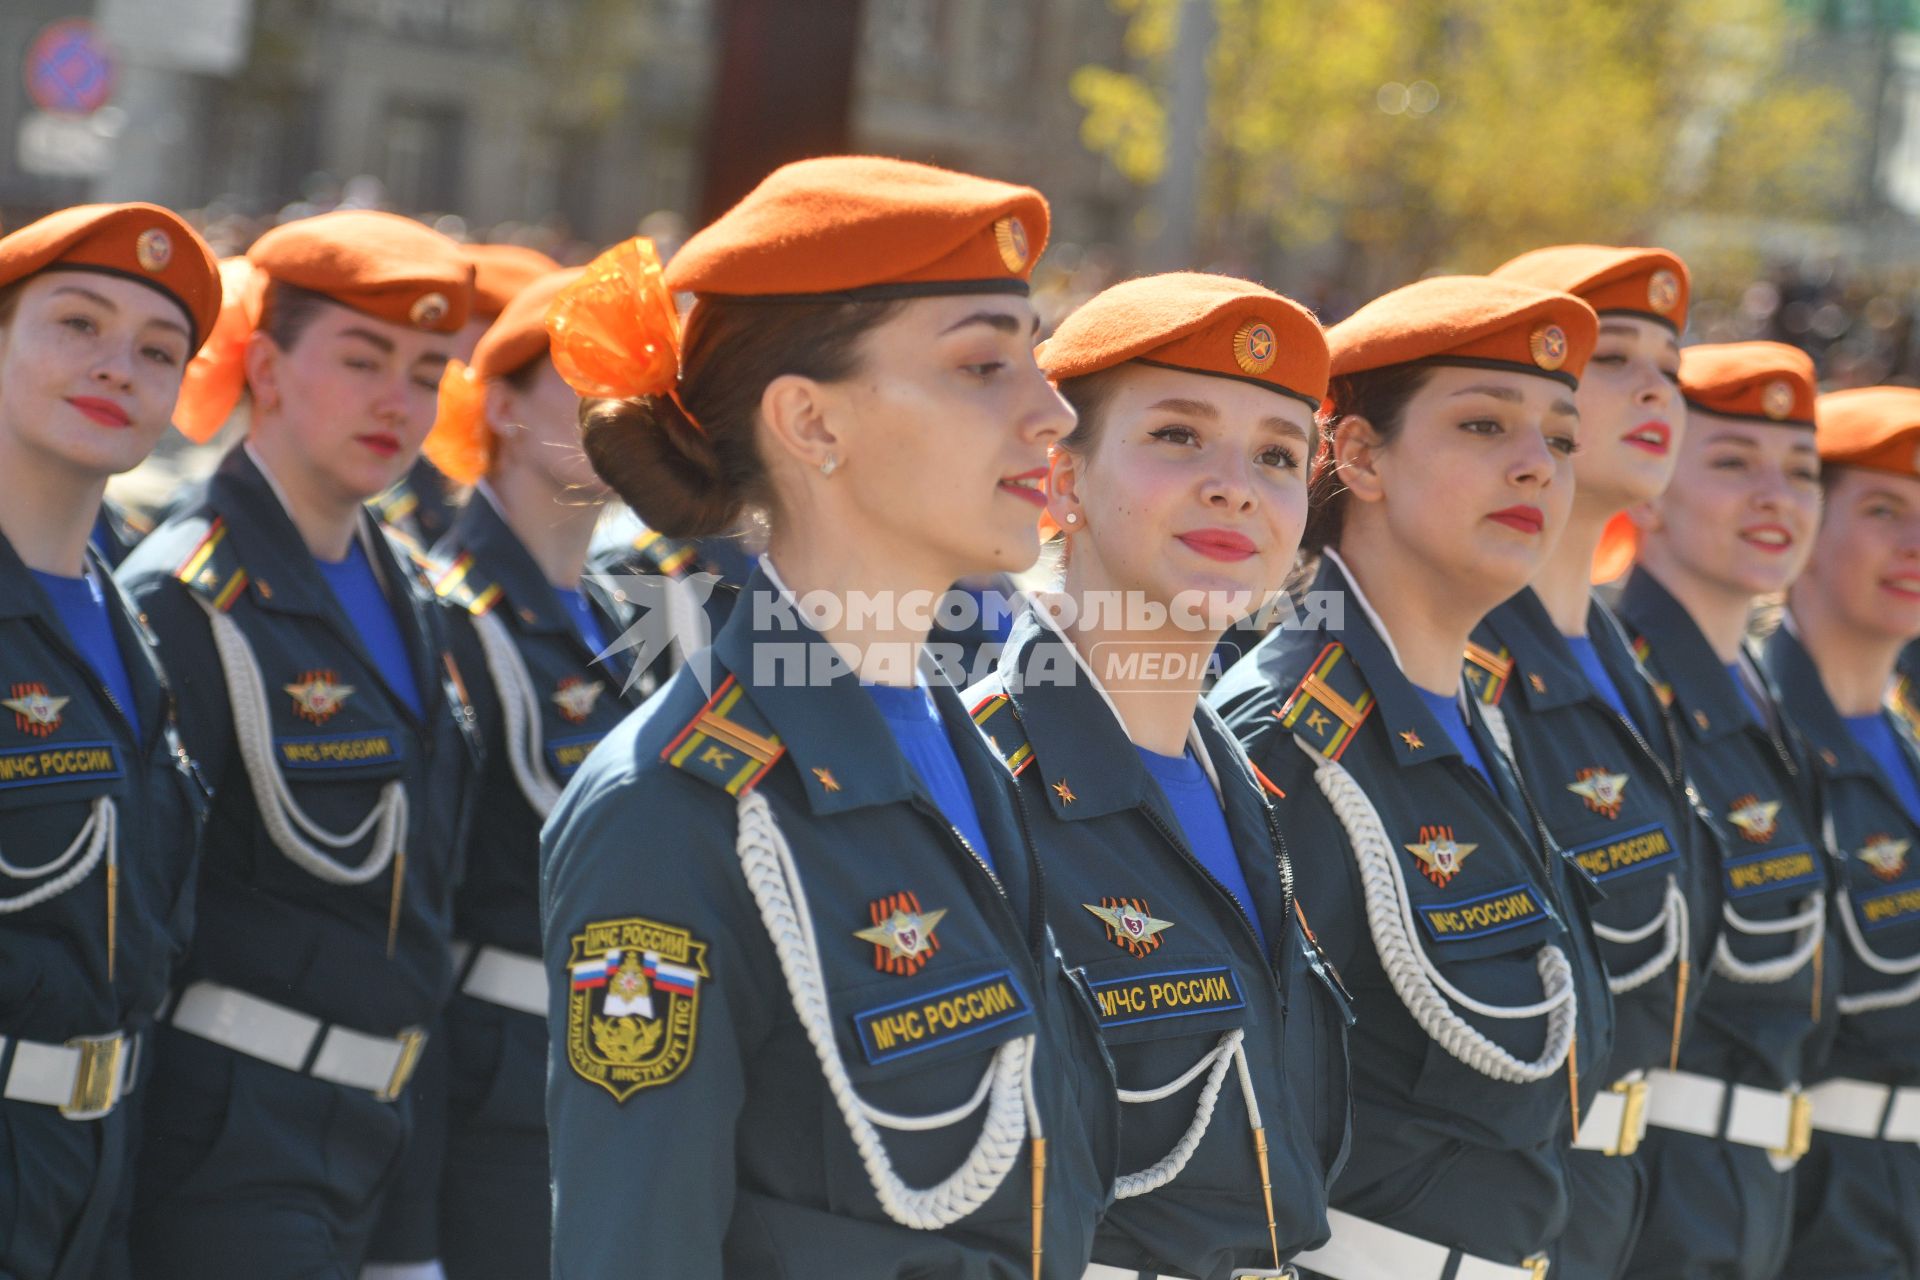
[1650, 284]
[1873, 427]
[1757, 381]
[1198, 323]
[867, 227]
[140, 242]
[1472, 321]
[390, 267]
[500, 272]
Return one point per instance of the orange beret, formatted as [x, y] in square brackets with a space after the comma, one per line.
[1873, 427]
[1200, 323]
[1649, 283]
[1762, 381]
[1475, 321]
[519, 335]
[502, 270]
[390, 267]
[137, 241]
[863, 227]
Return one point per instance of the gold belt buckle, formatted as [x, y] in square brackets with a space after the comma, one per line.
[96, 1078]
[1799, 1126]
[1537, 1266]
[1633, 1115]
[412, 1041]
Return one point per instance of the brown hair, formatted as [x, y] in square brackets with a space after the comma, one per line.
[1378, 395]
[10, 299]
[287, 311]
[687, 481]
[1088, 395]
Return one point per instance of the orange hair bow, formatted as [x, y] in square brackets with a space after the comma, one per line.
[217, 374]
[461, 443]
[615, 332]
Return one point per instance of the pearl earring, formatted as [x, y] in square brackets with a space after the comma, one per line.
[829, 465]
[1072, 518]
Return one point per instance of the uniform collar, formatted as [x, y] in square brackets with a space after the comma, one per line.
[503, 560]
[1545, 673]
[1805, 703]
[1708, 702]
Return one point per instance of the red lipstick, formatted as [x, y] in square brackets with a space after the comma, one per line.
[381, 443]
[104, 412]
[1029, 485]
[1219, 544]
[1652, 437]
[1770, 537]
[1522, 518]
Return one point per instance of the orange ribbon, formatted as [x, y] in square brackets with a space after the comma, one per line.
[615, 332]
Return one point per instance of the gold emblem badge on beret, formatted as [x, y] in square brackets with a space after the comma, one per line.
[1777, 399]
[1254, 347]
[1010, 237]
[633, 1003]
[153, 250]
[428, 310]
[1548, 346]
[1663, 291]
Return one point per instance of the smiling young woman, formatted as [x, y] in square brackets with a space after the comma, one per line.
[1737, 523]
[316, 690]
[1833, 660]
[1444, 474]
[804, 1002]
[101, 307]
[1182, 492]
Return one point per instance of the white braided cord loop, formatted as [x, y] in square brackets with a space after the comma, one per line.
[1672, 917]
[520, 707]
[98, 837]
[1497, 729]
[1007, 1086]
[1422, 988]
[1215, 1063]
[1812, 923]
[286, 822]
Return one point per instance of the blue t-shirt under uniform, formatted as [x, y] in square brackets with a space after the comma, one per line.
[82, 605]
[579, 611]
[358, 591]
[1877, 738]
[1598, 676]
[1446, 709]
[1184, 782]
[922, 738]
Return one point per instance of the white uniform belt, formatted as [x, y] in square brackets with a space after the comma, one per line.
[1617, 1120]
[297, 1041]
[503, 977]
[1101, 1271]
[1779, 1121]
[1362, 1250]
[1862, 1109]
[85, 1077]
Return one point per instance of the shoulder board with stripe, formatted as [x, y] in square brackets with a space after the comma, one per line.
[212, 570]
[1643, 654]
[1487, 671]
[458, 584]
[666, 556]
[727, 744]
[396, 504]
[1904, 701]
[1330, 704]
[994, 715]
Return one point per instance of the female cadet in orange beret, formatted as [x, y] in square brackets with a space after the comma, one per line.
[1847, 619]
[1182, 490]
[101, 307]
[1485, 1019]
[527, 631]
[1590, 737]
[316, 690]
[1727, 1123]
[807, 1015]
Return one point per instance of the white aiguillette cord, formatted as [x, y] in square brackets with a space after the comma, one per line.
[520, 707]
[98, 837]
[1006, 1086]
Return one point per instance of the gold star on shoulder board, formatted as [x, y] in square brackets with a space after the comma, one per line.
[826, 779]
[904, 933]
[1539, 685]
[1412, 739]
[1064, 791]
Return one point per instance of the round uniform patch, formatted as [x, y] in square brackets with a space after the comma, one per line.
[428, 310]
[1254, 347]
[1548, 345]
[1777, 400]
[153, 250]
[1663, 291]
[1010, 237]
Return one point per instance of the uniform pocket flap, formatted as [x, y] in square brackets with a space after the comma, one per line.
[1516, 918]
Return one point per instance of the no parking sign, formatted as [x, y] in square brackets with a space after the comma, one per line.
[68, 69]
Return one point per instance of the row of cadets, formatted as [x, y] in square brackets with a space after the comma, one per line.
[1735, 525]
[807, 1013]
[101, 307]
[1833, 660]
[528, 630]
[1183, 486]
[423, 503]
[1485, 1019]
[316, 688]
[1597, 750]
